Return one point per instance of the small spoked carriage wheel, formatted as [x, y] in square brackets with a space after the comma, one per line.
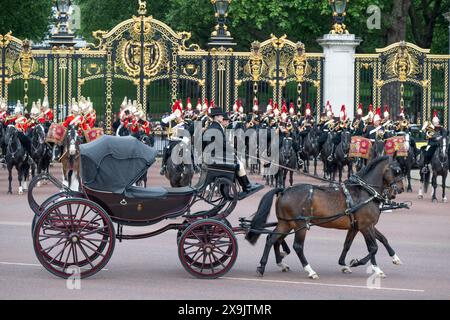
[74, 237]
[222, 195]
[208, 249]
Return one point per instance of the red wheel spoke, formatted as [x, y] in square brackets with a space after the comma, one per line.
[52, 236]
[85, 255]
[61, 253]
[93, 231]
[89, 222]
[53, 246]
[75, 254]
[68, 255]
[212, 264]
[87, 246]
[96, 240]
[218, 260]
[222, 252]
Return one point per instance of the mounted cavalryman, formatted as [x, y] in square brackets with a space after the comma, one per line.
[21, 124]
[401, 128]
[172, 124]
[358, 123]
[434, 134]
[339, 127]
[375, 129]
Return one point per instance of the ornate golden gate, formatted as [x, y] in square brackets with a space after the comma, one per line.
[144, 59]
[403, 74]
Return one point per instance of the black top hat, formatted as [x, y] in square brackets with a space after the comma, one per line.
[213, 112]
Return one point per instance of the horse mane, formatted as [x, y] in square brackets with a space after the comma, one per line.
[370, 166]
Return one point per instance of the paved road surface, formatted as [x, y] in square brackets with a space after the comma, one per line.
[150, 269]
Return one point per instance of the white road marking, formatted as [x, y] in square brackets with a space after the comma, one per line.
[15, 223]
[322, 284]
[27, 264]
[20, 264]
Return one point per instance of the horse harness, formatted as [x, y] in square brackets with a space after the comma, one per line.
[352, 208]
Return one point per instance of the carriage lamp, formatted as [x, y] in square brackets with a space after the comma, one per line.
[339, 12]
[221, 36]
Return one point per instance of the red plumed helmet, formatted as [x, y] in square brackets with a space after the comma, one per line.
[360, 110]
[188, 103]
[308, 110]
[342, 114]
[284, 108]
[386, 111]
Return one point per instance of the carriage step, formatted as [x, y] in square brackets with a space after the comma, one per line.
[243, 194]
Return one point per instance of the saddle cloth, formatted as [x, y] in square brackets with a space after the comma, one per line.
[398, 144]
[56, 133]
[93, 134]
[360, 148]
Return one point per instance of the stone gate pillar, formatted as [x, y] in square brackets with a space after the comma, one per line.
[339, 71]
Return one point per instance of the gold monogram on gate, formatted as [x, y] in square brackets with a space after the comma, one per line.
[134, 55]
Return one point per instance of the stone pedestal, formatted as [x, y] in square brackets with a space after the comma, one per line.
[339, 71]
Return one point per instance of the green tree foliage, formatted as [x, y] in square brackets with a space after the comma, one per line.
[25, 18]
[420, 21]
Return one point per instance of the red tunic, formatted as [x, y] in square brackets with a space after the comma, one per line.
[48, 115]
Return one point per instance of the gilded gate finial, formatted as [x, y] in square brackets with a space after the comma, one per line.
[142, 11]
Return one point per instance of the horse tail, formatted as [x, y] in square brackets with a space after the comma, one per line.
[426, 180]
[261, 215]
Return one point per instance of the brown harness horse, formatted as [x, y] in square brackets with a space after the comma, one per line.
[355, 207]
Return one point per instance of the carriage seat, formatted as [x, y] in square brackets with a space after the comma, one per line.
[224, 166]
[146, 193]
[180, 191]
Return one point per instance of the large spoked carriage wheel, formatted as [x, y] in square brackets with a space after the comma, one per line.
[222, 195]
[74, 236]
[208, 249]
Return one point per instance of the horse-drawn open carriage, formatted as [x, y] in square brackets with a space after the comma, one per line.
[76, 230]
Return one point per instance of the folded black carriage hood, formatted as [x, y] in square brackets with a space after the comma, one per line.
[111, 163]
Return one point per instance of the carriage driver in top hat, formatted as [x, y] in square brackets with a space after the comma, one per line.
[220, 121]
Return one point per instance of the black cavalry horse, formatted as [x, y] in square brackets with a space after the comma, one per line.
[439, 167]
[288, 163]
[305, 205]
[311, 148]
[16, 156]
[41, 152]
[180, 174]
[342, 156]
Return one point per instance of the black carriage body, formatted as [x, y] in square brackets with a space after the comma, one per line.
[143, 207]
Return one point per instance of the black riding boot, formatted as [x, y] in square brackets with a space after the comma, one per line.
[246, 185]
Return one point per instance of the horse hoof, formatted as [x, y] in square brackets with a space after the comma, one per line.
[444, 200]
[396, 260]
[346, 270]
[409, 190]
[284, 267]
[420, 196]
[354, 263]
[314, 276]
[9, 192]
[38, 184]
[434, 200]
[20, 190]
[259, 272]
